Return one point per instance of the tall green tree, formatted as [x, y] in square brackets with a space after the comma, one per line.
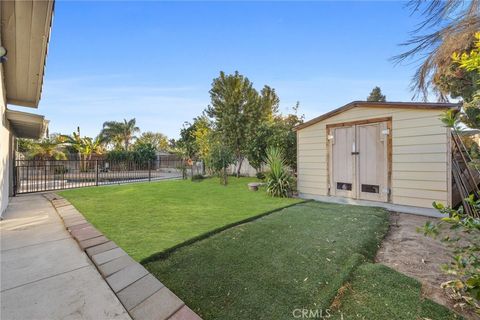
[237, 110]
[188, 136]
[376, 95]
[158, 140]
[119, 134]
[279, 134]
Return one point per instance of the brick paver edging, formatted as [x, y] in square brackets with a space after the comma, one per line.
[142, 295]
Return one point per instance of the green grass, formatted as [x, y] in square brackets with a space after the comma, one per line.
[147, 218]
[378, 292]
[296, 258]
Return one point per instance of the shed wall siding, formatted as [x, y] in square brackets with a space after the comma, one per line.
[419, 155]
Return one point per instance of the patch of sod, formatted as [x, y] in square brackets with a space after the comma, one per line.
[147, 218]
[295, 258]
[378, 292]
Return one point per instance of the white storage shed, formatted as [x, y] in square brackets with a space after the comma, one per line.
[390, 154]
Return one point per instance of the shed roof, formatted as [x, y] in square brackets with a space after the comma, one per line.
[390, 105]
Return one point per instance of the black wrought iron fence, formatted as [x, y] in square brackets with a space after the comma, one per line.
[47, 175]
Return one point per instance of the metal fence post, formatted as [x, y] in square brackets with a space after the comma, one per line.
[45, 176]
[15, 177]
[149, 170]
[96, 172]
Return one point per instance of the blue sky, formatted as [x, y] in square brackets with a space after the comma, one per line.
[155, 61]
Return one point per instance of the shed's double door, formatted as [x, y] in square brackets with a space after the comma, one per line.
[359, 162]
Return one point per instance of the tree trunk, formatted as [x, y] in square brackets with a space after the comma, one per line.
[239, 163]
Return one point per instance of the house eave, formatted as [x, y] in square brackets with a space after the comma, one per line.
[25, 33]
[27, 125]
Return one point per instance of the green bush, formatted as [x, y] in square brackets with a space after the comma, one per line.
[197, 177]
[142, 154]
[260, 175]
[219, 159]
[279, 179]
[119, 155]
[460, 232]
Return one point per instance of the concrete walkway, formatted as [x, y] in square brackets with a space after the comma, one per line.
[44, 273]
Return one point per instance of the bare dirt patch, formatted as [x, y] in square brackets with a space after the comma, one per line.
[418, 256]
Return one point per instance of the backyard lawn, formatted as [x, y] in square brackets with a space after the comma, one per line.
[297, 258]
[148, 218]
[309, 256]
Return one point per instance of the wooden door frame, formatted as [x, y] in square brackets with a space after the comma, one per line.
[331, 126]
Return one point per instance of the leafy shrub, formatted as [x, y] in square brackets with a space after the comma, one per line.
[182, 167]
[197, 177]
[465, 242]
[60, 170]
[119, 155]
[219, 159]
[144, 153]
[279, 179]
[260, 175]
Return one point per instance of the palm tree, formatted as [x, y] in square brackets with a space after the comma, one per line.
[47, 149]
[93, 146]
[74, 141]
[120, 134]
[84, 147]
[449, 26]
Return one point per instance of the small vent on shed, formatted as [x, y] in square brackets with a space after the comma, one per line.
[344, 186]
[370, 188]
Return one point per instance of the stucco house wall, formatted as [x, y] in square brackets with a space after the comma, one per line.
[5, 138]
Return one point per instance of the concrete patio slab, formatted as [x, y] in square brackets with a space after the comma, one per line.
[34, 207]
[15, 238]
[45, 274]
[33, 263]
[79, 294]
